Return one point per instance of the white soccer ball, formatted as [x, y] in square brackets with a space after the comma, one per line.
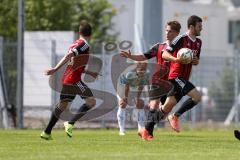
[186, 54]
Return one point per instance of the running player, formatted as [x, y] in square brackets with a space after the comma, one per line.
[77, 58]
[134, 79]
[159, 78]
[180, 73]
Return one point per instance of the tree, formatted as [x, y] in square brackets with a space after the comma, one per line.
[50, 15]
[8, 19]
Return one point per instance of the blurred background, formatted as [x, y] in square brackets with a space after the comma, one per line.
[35, 34]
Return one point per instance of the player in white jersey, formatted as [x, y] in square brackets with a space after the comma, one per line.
[133, 80]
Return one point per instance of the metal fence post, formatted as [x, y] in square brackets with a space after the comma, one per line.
[236, 76]
[20, 64]
[3, 100]
[53, 62]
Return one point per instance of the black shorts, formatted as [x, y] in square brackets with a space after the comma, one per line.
[181, 87]
[159, 89]
[163, 99]
[69, 92]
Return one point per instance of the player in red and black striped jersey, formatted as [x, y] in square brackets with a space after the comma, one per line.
[159, 77]
[156, 51]
[179, 73]
[72, 85]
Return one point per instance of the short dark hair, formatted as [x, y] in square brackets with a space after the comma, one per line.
[175, 25]
[85, 28]
[193, 20]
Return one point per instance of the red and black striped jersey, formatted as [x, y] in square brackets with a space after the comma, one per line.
[183, 41]
[162, 67]
[77, 63]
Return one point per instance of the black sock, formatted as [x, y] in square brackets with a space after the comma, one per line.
[53, 120]
[81, 112]
[187, 105]
[149, 125]
[154, 116]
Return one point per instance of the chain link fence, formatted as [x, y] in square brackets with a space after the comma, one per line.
[215, 77]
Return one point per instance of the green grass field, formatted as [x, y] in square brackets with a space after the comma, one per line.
[107, 145]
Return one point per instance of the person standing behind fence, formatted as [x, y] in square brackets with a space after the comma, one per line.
[77, 58]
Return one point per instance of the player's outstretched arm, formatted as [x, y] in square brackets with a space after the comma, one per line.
[127, 88]
[128, 54]
[64, 60]
[140, 88]
[124, 100]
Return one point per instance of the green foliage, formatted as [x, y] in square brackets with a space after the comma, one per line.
[99, 13]
[8, 18]
[61, 15]
[46, 15]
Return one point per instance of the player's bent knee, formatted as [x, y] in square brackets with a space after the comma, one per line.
[91, 101]
[197, 99]
[154, 104]
[62, 105]
[123, 105]
[168, 106]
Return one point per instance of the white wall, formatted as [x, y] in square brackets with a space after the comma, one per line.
[124, 19]
[215, 24]
[37, 58]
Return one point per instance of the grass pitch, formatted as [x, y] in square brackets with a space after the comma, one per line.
[108, 145]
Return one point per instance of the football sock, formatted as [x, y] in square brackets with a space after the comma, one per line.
[187, 105]
[53, 120]
[140, 118]
[121, 116]
[81, 112]
[154, 116]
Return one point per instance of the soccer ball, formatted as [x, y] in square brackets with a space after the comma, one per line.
[186, 54]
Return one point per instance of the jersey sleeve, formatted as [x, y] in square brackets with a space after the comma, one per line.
[199, 52]
[176, 43]
[152, 52]
[80, 48]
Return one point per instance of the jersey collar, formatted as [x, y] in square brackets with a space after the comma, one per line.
[193, 40]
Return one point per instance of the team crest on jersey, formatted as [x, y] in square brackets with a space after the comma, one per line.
[194, 52]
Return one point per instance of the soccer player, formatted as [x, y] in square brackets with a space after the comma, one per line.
[237, 134]
[72, 84]
[180, 73]
[134, 79]
[172, 30]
